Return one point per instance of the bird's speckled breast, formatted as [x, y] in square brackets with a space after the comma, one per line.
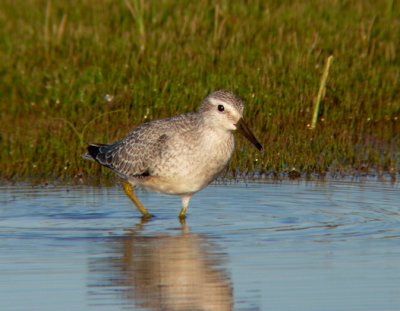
[199, 162]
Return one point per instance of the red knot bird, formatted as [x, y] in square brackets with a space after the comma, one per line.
[179, 155]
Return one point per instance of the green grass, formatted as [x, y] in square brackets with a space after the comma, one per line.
[60, 59]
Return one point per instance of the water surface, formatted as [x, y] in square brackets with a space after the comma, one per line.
[257, 246]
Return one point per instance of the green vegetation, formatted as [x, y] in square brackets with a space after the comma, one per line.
[89, 71]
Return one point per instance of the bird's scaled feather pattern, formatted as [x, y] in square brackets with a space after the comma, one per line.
[163, 155]
[179, 155]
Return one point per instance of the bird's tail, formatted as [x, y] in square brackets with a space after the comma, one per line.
[104, 154]
[93, 151]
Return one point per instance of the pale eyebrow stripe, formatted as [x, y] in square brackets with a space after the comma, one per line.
[217, 101]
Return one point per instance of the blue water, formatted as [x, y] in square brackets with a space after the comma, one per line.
[256, 246]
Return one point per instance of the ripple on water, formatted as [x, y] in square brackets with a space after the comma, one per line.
[257, 246]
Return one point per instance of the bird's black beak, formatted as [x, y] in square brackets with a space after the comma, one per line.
[246, 132]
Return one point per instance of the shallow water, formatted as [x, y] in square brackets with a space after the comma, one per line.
[273, 246]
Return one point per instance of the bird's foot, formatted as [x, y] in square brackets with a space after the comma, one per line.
[147, 216]
[182, 219]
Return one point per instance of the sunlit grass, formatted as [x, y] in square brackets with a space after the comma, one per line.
[90, 71]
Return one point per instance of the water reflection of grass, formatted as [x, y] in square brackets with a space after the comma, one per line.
[76, 62]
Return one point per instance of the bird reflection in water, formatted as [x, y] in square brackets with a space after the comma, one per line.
[162, 272]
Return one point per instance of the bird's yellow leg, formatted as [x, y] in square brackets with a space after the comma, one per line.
[128, 189]
[185, 203]
[182, 214]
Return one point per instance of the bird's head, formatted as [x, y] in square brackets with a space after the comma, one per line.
[224, 110]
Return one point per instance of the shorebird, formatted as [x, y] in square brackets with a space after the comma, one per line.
[179, 155]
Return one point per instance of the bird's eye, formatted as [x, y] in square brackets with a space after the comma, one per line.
[221, 108]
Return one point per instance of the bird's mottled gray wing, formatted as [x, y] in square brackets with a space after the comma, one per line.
[134, 155]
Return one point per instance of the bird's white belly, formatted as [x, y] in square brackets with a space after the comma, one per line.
[189, 180]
